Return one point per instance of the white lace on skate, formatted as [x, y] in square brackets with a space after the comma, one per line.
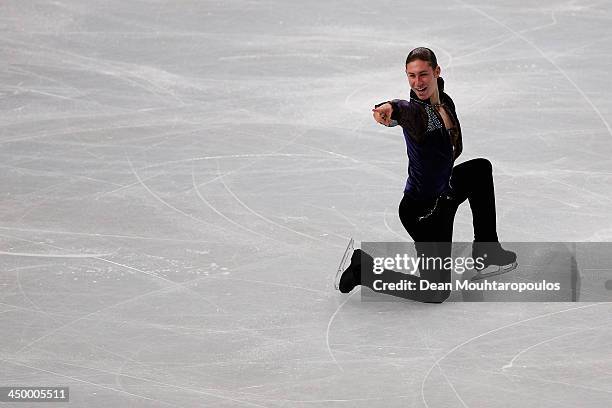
[343, 263]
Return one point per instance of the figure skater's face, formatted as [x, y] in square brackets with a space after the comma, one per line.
[422, 78]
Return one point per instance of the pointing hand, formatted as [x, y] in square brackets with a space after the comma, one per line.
[382, 114]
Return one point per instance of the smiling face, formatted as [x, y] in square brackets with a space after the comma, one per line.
[423, 79]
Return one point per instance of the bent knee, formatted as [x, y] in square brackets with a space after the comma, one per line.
[483, 164]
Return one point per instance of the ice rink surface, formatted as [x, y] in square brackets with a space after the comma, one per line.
[179, 181]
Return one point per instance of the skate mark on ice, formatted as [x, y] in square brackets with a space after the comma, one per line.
[178, 387]
[172, 283]
[109, 307]
[37, 255]
[403, 238]
[93, 234]
[457, 347]
[517, 355]
[546, 57]
[264, 218]
[20, 364]
[329, 323]
[165, 203]
[219, 213]
[282, 285]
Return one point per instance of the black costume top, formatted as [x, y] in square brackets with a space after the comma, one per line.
[431, 147]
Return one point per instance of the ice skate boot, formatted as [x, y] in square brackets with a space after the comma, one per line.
[495, 259]
[349, 277]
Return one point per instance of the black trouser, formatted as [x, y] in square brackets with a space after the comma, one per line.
[430, 224]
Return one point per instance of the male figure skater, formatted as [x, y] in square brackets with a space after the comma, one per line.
[434, 188]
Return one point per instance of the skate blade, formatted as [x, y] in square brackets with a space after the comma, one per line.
[342, 267]
[494, 270]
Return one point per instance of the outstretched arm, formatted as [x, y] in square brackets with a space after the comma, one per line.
[382, 113]
[408, 115]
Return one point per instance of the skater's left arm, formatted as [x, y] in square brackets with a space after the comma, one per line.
[456, 137]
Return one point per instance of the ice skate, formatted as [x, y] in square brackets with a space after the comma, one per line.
[496, 260]
[344, 263]
[349, 277]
